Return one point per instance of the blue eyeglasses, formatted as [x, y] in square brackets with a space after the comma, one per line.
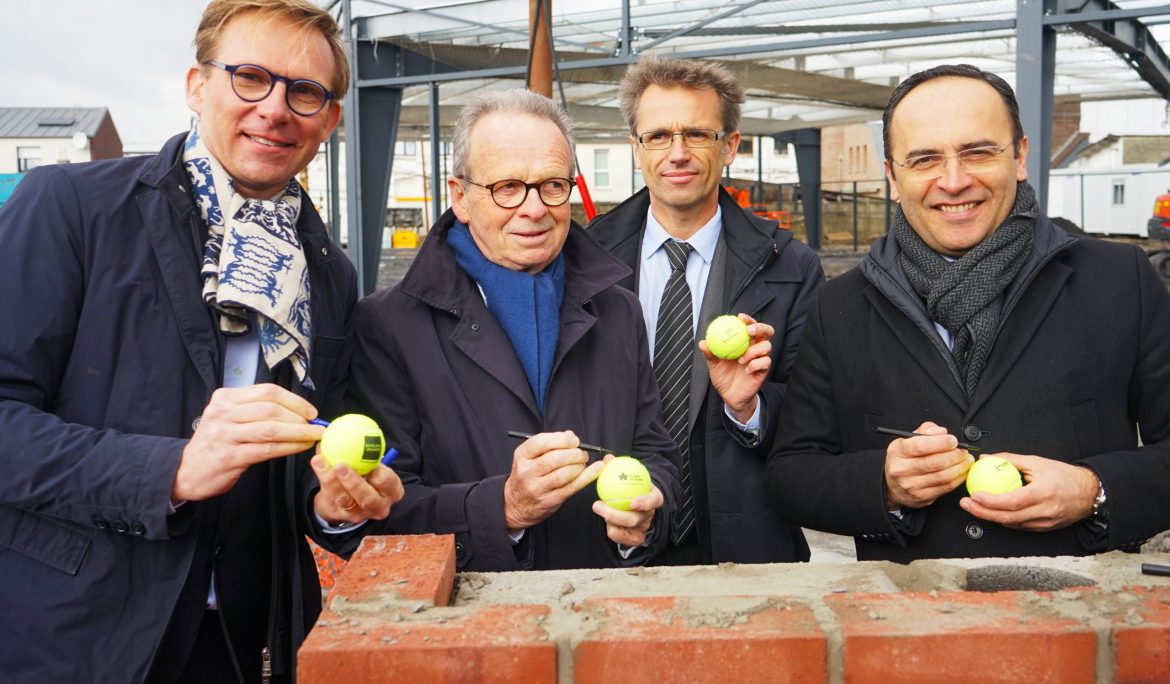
[253, 83]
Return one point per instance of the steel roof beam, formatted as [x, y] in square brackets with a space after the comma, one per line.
[1121, 31]
[734, 9]
[950, 28]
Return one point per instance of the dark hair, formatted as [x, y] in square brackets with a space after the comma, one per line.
[961, 71]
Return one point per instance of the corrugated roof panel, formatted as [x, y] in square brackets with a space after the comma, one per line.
[50, 122]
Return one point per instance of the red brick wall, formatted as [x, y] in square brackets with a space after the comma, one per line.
[391, 616]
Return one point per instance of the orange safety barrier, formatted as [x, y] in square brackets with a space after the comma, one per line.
[782, 218]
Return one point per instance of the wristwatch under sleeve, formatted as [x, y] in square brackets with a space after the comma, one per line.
[1100, 507]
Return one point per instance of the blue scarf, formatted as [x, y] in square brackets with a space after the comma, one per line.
[527, 307]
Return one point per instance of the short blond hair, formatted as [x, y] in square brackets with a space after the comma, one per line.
[301, 12]
[680, 73]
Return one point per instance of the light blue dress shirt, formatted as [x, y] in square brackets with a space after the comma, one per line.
[654, 271]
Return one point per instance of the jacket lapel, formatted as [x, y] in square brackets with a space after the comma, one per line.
[589, 269]
[1017, 331]
[748, 248]
[172, 226]
[479, 336]
[917, 345]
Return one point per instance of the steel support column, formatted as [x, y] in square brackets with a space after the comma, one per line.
[436, 150]
[372, 115]
[353, 148]
[333, 159]
[1035, 74]
[378, 121]
[807, 143]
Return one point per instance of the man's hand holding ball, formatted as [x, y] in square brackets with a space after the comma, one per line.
[627, 526]
[739, 357]
[356, 484]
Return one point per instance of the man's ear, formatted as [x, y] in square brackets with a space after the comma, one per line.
[731, 147]
[196, 79]
[333, 112]
[634, 151]
[890, 177]
[458, 195]
[1022, 160]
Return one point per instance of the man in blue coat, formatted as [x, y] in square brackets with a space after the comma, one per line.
[977, 320]
[509, 320]
[171, 325]
[683, 117]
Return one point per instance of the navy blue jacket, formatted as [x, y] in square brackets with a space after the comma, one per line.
[439, 374]
[108, 356]
[773, 278]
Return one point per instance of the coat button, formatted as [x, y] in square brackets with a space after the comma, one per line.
[972, 433]
[474, 327]
[120, 527]
[974, 530]
[138, 529]
[324, 251]
[460, 551]
[195, 423]
[101, 524]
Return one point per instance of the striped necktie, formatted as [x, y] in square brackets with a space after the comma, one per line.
[674, 343]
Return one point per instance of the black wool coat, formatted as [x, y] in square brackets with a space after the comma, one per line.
[773, 278]
[1080, 364]
[439, 374]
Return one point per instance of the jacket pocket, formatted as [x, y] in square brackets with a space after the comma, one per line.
[42, 539]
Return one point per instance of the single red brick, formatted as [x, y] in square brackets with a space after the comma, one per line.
[1141, 637]
[699, 639]
[417, 567]
[491, 644]
[962, 637]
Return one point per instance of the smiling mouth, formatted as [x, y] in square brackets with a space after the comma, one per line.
[266, 141]
[956, 208]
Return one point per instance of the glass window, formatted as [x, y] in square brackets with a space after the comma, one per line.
[1118, 193]
[601, 167]
[27, 158]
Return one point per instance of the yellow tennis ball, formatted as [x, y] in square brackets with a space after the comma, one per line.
[727, 337]
[993, 475]
[356, 441]
[622, 479]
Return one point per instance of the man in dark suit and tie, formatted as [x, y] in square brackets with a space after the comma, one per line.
[696, 255]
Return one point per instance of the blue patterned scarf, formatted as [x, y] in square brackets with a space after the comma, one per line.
[527, 307]
[253, 263]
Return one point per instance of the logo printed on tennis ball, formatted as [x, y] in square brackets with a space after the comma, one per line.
[622, 479]
[727, 337]
[356, 441]
[993, 475]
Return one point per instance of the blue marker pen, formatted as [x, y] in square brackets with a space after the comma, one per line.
[391, 454]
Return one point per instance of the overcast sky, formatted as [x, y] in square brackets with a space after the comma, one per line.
[132, 56]
[128, 55]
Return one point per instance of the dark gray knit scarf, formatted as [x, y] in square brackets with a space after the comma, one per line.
[966, 296]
